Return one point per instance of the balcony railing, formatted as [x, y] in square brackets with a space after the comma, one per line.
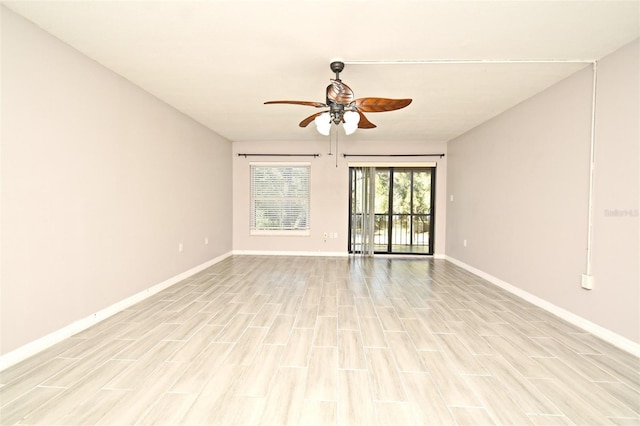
[409, 233]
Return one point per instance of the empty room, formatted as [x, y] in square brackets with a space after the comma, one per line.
[319, 212]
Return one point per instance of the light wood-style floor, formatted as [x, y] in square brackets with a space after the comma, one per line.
[336, 341]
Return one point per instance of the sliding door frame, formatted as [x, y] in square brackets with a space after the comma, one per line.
[351, 246]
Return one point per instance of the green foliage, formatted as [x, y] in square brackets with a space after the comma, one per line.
[402, 193]
[382, 191]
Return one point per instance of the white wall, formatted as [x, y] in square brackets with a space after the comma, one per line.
[100, 182]
[329, 192]
[520, 184]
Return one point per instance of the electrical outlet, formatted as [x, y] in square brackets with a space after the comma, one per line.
[180, 247]
[464, 243]
[587, 282]
[206, 241]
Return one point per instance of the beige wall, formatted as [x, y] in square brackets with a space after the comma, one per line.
[616, 234]
[100, 182]
[520, 184]
[329, 192]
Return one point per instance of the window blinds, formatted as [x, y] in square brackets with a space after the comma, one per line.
[280, 197]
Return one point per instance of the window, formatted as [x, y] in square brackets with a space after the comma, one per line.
[280, 198]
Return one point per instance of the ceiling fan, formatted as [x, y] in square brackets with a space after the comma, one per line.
[343, 107]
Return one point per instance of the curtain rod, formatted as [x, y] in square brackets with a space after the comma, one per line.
[473, 61]
[279, 155]
[393, 155]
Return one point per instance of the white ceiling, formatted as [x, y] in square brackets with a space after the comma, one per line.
[218, 61]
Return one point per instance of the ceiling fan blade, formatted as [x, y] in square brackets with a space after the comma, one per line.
[364, 123]
[339, 92]
[308, 103]
[306, 121]
[381, 104]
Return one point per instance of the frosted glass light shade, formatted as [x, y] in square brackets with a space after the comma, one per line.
[351, 117]
[323, 123]
[351, 120]
[350, 128]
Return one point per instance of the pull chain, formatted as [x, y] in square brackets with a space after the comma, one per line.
[336, 148]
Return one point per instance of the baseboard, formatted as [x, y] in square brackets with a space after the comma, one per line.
[291, 253]
[316, 253]
[595, 329]
[51, 339]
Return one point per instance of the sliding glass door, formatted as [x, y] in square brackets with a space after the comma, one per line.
[402, 200]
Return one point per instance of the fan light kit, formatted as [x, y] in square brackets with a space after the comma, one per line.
[343, 107]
